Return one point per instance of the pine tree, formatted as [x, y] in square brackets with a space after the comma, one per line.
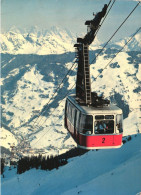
[2, 165]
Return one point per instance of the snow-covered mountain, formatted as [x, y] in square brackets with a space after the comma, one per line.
[38, 41]
[53, 41]
[28, 82]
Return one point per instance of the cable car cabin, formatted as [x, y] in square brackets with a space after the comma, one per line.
[94, 127]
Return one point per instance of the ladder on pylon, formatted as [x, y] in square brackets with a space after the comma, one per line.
[87, 79]
[83, 83]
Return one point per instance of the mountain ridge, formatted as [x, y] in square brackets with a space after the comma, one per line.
[41, 42]
[54, 41]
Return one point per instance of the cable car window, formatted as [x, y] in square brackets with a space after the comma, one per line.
[73, 114]
[66, 109]
[81, 122]
[119, 127]
[86, 124]
[99, 117]
[104, 127]
[69, 112]
[109, 116]
[77, 119]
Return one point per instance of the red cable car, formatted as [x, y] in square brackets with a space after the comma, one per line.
[94, 128]
[91, 120]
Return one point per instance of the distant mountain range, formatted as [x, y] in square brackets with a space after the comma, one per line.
[41, 42]
[53, 41]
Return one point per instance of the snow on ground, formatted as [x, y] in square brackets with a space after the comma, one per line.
[53, 135]
[1, 81]
[31, 94]
[7, 139]
[30, 88]
[135, 126]
[139, 73]
[112, 171]
[111, 76]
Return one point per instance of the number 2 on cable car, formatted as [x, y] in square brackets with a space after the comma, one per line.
[103, 140]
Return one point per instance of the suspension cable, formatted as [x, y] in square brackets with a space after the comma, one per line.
[116, 31]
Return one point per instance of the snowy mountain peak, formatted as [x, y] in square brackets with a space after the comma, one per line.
[39, 41]
[13, 29]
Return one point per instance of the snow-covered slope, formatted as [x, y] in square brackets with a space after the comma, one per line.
[7, 138]
[114, 171]
[29, 82]
[41, 42]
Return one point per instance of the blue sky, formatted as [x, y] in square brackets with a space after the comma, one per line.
[70, 14]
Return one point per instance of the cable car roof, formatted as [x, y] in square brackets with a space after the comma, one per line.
[111, 109]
